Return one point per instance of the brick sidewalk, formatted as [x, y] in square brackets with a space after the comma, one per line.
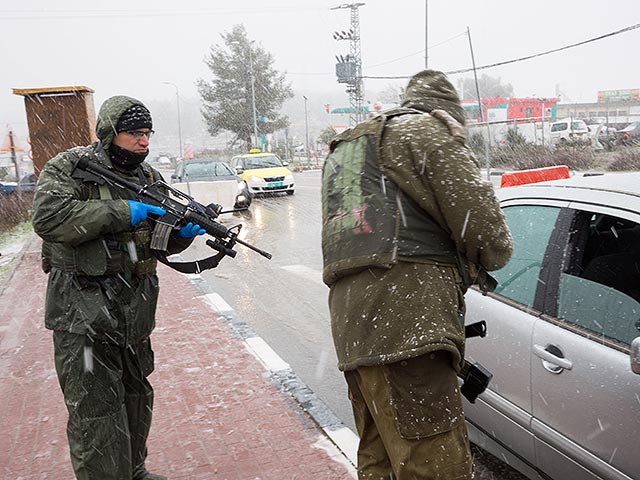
[217, 413]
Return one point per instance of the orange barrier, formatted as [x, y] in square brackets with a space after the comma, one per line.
[535, 175]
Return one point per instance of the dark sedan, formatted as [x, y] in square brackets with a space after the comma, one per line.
[26, 184]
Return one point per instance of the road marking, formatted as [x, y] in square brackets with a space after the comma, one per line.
[266, 355]
[217, 303]
[305, 272]
[333, 450]
[347, 442]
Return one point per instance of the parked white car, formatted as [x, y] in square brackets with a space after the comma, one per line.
[568, 130]
[563, 332]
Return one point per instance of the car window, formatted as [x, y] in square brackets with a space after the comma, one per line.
[557, 127]
[207, 170]
[28, 179]
[599, 288]
[578, 125]
[531, 227]
[224, 169]
[262, 161]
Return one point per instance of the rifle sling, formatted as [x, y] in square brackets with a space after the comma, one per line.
[190, 267]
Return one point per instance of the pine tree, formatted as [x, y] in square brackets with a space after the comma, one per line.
[242, 71]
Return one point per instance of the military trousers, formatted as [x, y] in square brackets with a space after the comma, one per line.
[109, 401]
[410, 421]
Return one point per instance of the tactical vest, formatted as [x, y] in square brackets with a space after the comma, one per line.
[367, 221]
[125, 253]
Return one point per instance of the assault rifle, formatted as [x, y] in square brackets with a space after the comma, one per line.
[181, 209]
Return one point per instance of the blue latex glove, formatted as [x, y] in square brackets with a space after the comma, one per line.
[140, 211]
[190, 230]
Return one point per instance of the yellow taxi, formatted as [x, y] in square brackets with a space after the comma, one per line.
[264, 172]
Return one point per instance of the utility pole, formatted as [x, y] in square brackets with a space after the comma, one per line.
[306, 130]
[14, 159]
[482, 119]
[349, 68]
[542, 100]
[426, 34]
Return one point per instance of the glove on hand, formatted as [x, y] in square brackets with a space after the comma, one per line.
[140, 211]
[190, 230]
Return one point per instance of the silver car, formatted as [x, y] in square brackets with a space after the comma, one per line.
[563, 341]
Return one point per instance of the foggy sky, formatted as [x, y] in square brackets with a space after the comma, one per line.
[123, 47]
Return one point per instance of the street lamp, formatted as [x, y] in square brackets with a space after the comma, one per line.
[306, 127]
[179, 126]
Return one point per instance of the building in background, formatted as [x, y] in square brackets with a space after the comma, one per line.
[614, 108]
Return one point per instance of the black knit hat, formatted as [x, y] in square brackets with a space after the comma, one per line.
[134, 118]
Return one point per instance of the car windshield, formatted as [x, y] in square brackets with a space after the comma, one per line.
[578, 125]
[261, 161]
[207, 170]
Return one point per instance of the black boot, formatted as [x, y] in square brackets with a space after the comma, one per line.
[142, 474]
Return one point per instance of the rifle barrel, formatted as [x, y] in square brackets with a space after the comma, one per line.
[255, 249]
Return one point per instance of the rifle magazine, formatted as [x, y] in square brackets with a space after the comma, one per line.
[160, 237]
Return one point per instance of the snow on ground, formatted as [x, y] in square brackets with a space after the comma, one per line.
[12, 242]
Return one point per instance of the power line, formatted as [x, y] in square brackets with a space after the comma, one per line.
[417, 53]
[383, 63]
[528, 57]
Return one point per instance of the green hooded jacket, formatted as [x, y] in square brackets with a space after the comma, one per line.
[385, 315]
[95, 285]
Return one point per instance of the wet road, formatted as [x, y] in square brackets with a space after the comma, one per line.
[284, 300]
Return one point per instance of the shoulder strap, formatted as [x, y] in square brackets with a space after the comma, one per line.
[190, 267]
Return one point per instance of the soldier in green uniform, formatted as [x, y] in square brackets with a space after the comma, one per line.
[102, 293]
[408, 225]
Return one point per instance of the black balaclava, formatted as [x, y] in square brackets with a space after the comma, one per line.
[133, 118]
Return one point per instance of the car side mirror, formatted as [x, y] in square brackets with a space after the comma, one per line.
[634, 355]
[286, 164]
[239, 170]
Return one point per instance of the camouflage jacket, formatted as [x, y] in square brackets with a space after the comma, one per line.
[384, 315]
[95, 286]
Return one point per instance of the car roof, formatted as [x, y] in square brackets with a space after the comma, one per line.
[203, 160]
[622, 189]
[259, 154]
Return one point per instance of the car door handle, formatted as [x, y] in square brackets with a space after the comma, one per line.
[550, 357]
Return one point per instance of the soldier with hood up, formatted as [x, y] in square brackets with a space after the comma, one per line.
[102, 292]
[408, 225]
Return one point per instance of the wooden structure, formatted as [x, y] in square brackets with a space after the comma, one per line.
[58, 118]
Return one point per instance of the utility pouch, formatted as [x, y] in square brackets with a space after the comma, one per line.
[475, 378]
[478, 329]
[46, 257]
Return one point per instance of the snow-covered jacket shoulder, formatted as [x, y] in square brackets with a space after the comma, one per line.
[438, 170]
